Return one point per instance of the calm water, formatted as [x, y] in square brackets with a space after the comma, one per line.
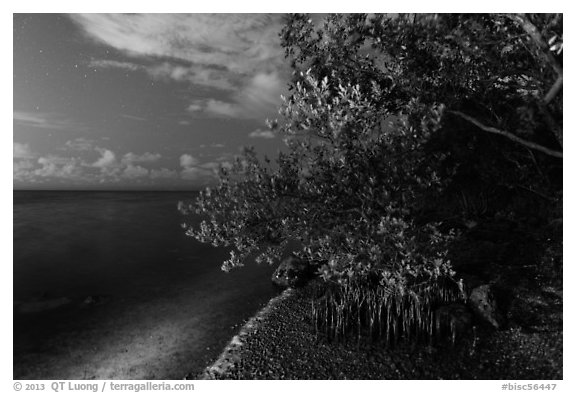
[106, 285]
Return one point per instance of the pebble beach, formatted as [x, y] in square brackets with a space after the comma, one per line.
[280, 343]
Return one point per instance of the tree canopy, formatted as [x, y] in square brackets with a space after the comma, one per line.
[385, 115]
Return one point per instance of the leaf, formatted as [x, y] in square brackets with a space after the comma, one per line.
[507, 49]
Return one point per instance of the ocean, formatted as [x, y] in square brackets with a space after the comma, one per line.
[108, 286]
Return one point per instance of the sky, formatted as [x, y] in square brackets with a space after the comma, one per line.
[141, 101]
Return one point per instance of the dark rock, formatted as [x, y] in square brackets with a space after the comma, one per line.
[454, 319]
[483, 304]
[292, 272]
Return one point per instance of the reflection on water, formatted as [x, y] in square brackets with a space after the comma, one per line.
[120, 287]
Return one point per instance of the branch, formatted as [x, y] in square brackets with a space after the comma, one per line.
[537, 39]
[554, 90]
[509, 135]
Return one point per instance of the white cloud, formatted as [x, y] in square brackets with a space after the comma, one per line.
[132, 117]
[193, 170]
[22, 150]
[261, 94]
[163, 173]
[258, 97]
[165, 71]
[221, 108]
[240, 43]
[107, 159]
[195, 173]
[109, 167]
[81, 144]
[135, 171]
[114, 64]
[44, 120]
[186, 161]
[266, 134]
[209, 77]
[127, 167]
[213, 145]
[216, 108]
[239, 54]
[22, 170]
[196, 106]
[130, 158]
[62, 167]
[226, 164]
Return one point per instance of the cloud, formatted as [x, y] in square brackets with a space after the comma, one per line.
[196, 106]
[213, 166]
[186, 161]
[262, 93]
[266, 134]
[213, 145]
[81, 144]
[239, 54]
[22, 171]
[130, 158]
[195, 173]
[132, 117]
[108, 159]
[163, 174]
[215, 108]
[60, 167]
[193, 170]
[114, 64]
[239, 43]
[135, 171]
[127, 167]
[22, 150]
[226, 164]
[44, 120]
[221, 108]
[259, 97]
[106, 169]
[208, 76]
[28, 169]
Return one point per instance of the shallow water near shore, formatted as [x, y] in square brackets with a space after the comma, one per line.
[107, 286]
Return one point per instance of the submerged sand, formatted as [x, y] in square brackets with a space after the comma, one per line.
[158, 335]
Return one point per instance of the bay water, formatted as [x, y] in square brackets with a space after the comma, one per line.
[108, 286]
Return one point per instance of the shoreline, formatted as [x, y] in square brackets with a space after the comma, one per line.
[230, 356]
[279, 343]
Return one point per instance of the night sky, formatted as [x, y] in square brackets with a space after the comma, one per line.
[149, 101]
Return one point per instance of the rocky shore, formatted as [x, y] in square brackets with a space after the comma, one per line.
[510, 326]
[280, 343]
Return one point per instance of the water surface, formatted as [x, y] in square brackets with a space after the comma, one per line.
[107, 285]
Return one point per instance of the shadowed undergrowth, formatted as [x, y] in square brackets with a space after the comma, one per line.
[379, 313]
